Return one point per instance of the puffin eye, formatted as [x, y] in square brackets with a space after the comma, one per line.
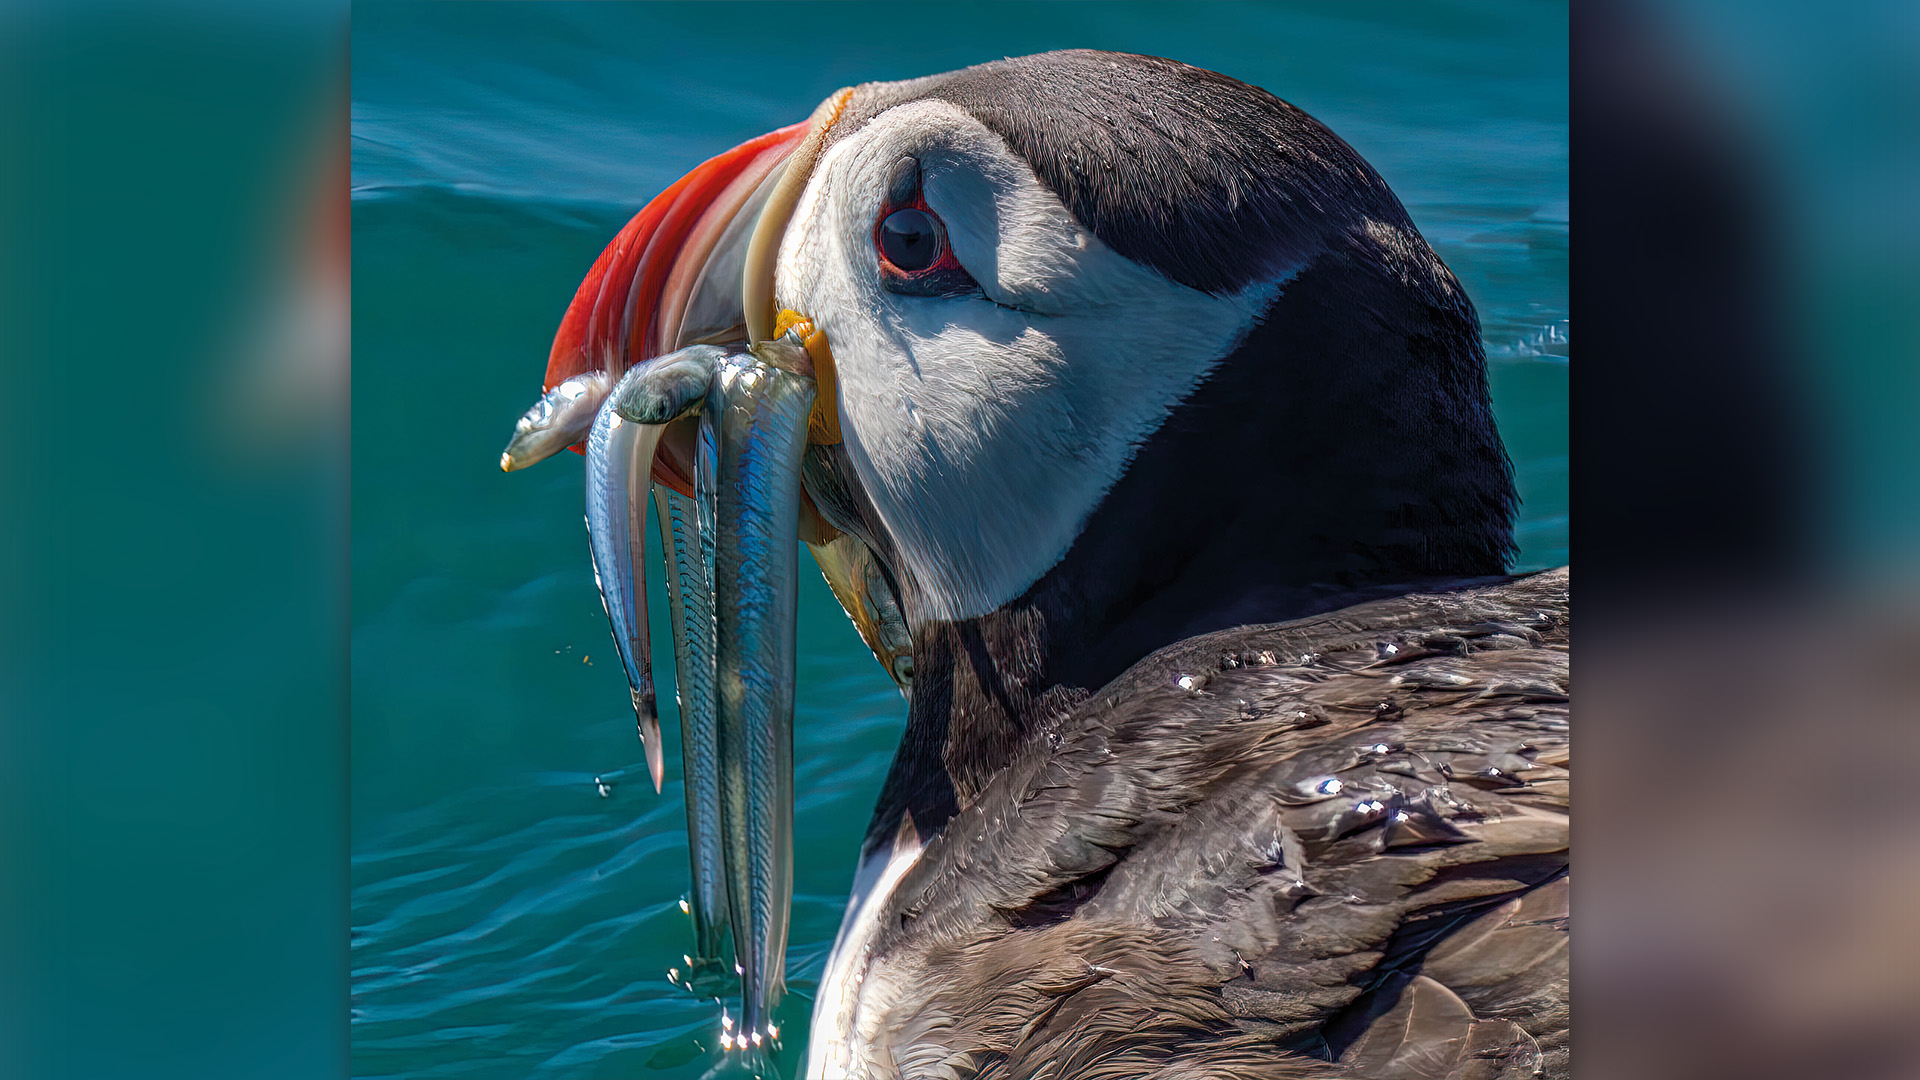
[915, 258]
[911, 239]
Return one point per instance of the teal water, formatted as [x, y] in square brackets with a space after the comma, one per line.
[508, 919]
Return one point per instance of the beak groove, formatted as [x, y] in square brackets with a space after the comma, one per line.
[763, 251]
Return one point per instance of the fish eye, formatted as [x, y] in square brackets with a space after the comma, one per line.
[910, 239]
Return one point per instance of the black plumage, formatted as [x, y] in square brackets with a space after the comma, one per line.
[1339, 837]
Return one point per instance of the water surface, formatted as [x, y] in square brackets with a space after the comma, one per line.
[509, 920]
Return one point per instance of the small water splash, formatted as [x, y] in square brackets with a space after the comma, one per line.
[1550, 341]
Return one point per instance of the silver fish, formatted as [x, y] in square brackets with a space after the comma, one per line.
[620, 448]
[673, 385]
[690, 592]
[686, 531]
[561, 418]
[619, 465]
[758, 413]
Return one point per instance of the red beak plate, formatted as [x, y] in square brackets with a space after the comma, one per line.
[630, 306]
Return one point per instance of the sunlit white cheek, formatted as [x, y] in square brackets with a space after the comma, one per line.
[987, 432]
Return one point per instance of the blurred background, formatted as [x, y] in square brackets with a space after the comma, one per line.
[173, 675]
[1748, 472]
[186, 567]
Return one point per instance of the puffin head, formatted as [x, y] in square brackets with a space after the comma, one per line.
[1112, 351]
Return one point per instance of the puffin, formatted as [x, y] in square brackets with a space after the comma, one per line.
[1153, 456]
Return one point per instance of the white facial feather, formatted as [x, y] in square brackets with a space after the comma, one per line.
[986, 431]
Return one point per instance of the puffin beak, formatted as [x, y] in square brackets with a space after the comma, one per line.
[634, 303]
[669, 278]
[695, 265]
